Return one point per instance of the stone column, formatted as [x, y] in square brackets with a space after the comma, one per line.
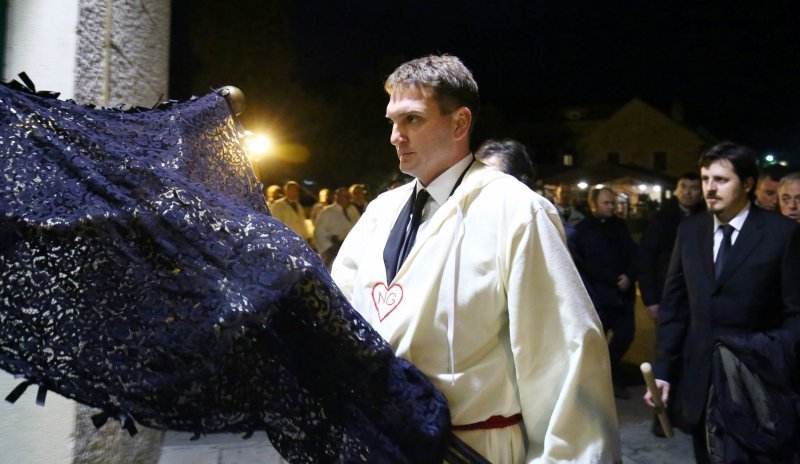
[107, 53]
[122, 52]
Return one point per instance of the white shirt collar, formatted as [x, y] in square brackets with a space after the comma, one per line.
[440, 188]
[737, 222]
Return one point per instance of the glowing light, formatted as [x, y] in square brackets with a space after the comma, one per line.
[599, 186]
[642, 187]
[582, 185]
[769, 158]
[657, 188]
[783, 163]
[256, 145]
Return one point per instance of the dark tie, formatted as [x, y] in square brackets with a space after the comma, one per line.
[404, 233]
[724, 249]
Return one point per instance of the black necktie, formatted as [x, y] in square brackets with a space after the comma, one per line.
[404, 233]
[724, 249]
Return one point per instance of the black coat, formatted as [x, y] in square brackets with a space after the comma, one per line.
[754, 377]
[602, 251]
[759, 289]
[655, 249]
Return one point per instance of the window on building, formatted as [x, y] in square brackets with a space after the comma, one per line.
[660, 161]
[613, 157]
[567, 160]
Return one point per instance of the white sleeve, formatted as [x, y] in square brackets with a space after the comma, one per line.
[560, 353]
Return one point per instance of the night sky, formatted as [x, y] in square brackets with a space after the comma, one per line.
[312, 70]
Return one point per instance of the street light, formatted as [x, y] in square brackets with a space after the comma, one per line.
[256, 145]
[582, 185]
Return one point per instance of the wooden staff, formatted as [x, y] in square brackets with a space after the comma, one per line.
[650, 381]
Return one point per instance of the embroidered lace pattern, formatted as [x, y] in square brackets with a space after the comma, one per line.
[141, 273]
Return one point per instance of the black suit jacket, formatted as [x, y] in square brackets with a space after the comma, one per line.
[655, 248]
[759, 289]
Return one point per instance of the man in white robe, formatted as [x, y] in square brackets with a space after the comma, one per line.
[333, 224]
[289, 211]
[488, 303]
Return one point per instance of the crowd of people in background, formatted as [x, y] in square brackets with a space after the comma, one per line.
[776, 190]
[610, 262]
[325, 223]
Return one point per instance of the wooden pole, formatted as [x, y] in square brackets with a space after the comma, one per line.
[650, 381]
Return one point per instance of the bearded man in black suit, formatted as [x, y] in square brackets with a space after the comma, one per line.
[734, 271]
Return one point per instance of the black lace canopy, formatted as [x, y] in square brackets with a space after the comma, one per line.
[141, 273]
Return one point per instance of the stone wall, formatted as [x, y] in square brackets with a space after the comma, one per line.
[122, 52]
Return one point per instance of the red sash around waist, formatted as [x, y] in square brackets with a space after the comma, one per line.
[494, 422]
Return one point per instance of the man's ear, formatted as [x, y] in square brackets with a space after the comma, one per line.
[461, 122]
[748, 184]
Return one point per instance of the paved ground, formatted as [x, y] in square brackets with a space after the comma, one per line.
[639, 445]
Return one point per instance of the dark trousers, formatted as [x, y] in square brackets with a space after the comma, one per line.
[700, 442]
[619, 320]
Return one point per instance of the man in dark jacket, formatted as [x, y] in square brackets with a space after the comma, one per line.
[655, 249]
[605, 255]
[656, 244]
[734, 271]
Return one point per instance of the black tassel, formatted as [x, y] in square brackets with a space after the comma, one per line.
[41, 395]
[18, 391]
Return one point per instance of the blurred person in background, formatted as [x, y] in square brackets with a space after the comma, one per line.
[323, 200]
[606, 257]
[767, 187]
[510, 157]
[273, 193]
[789, 196]
[659, 237]
[358, 197]
[289, 211]
[333, 225]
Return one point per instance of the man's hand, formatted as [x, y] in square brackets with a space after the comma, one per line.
[664, 387]
[652, 310]
[623, 282]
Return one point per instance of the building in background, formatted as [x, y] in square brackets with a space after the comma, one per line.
[636, 149]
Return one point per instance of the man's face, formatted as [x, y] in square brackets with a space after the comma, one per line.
[562, 197]
[688, 192]
[343, 198]
[293, 192]
[359, 195]
[767, 193]
[789, 197]
[422, 135]
[725, 194]
[274, 192]
[604, 205]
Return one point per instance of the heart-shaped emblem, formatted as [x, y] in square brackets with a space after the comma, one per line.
[386, 299]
